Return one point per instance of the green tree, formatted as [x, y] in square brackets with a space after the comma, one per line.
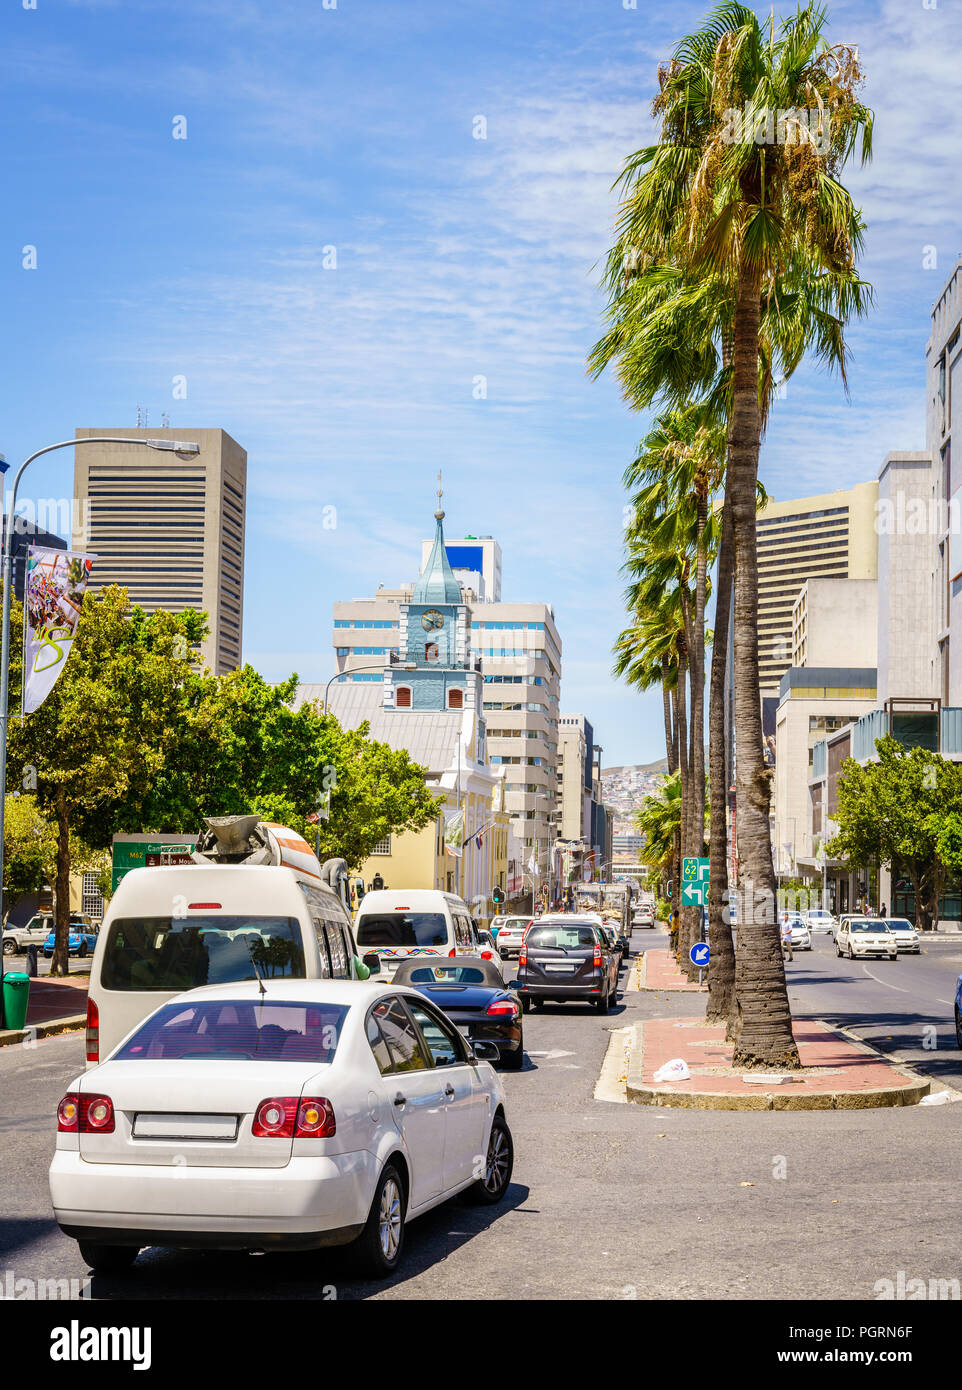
[718, 197]
[98, 742]
[29, 849]
[902, 811]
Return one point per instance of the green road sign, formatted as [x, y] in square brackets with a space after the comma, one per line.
[694, 894]
[694, 870]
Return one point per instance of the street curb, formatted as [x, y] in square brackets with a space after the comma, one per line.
[665, 989]
[641, 1092]
[9, 1037]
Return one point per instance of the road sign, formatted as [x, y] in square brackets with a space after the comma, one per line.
[694, 894]
[694, 870]
[699, 953]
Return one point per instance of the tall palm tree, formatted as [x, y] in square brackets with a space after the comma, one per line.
[755, 216]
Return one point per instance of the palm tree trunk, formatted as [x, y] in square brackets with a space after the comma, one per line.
[763, 1031]
[681, 711]
[669, 722]
[697, 744]
[721, 973]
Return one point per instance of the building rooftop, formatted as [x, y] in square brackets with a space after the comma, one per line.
[430, 736]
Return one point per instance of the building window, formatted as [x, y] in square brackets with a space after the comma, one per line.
[403, 700]
[382, 846]
[455, 699]
[91, 898]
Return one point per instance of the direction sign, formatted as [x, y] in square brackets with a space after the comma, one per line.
[694, 894]
[694, 870]
[699, 954]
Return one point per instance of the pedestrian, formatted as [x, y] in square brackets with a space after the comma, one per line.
[786, 933]
[883, 911]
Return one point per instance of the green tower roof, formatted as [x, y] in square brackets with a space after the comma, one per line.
[436, 583]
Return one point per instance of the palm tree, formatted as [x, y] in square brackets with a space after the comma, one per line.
[658, 819]
[756, 217]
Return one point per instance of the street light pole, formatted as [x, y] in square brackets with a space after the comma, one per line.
[170, 445]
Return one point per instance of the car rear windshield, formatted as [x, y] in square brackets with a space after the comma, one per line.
[446, 975]
[144, 953]
[243, 1030]
[402, 929]
[565, 938]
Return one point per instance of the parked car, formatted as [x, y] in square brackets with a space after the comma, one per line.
[303, 1113]
[866, 936]
[622, 937]
[81, 941]
[566, 958]
[486, 948]
[906, 935]
[511, 936]
[17, 939]
[801, 936]
[473, 994]
[820, 919]
[643, 916]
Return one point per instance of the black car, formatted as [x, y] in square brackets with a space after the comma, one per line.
[473, 994]
[566, 958]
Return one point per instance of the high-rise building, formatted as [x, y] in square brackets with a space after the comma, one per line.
[169, 529]
[476, 562]
[831, 536]
[519, 650]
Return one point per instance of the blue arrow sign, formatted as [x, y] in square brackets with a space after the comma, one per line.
[699, 953]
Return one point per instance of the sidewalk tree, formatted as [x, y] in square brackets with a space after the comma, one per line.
[900, 811]
[29, 849]
[767, 218]
[98, 741]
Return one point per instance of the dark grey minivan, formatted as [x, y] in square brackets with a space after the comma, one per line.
[567, 958]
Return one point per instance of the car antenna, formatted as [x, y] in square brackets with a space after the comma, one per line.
[257, 969]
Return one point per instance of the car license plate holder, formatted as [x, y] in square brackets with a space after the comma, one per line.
[150, 1124]
[560, 967]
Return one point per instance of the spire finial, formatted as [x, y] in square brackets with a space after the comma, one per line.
[439, 514]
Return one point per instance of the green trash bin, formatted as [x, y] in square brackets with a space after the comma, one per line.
[16, 992]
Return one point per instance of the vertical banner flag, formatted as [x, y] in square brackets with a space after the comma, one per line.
[53, 594]
[454, 834]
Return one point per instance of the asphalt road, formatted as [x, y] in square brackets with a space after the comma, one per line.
[609, 1201]
[905, 1007]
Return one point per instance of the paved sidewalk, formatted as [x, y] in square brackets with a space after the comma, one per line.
[657, 970]
[836, 1074]
[54, 1006]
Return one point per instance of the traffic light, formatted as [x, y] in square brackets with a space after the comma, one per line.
[668, 890]
[497, 895]
[377, 883]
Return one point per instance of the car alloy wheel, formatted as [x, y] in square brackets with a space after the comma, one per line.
[389, 1220]
[498, 1165]
[9, 948]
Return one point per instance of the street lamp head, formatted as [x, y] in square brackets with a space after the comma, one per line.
[173, 446]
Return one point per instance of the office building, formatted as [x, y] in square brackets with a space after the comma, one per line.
[476, 562]
[169, 529]
[517, 652]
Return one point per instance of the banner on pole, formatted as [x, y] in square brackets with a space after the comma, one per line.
[54, 591]
[454, 834]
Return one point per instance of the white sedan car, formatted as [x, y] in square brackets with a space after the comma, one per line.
[820, 919]
[865, 936]
[906, 935]
[289, 1115]
[801, 934]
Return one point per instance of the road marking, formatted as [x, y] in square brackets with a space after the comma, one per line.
[549, 1056]
[885, 982]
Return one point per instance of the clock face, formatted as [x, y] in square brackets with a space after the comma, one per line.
[432, 620]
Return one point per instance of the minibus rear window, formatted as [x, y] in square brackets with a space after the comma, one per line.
[145, 953]
[402, 929]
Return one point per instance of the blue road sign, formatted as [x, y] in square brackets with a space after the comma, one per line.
[699, 953]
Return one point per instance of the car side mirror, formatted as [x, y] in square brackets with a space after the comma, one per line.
[372, 960]
[485, 1051]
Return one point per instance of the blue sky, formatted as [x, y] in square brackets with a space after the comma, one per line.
[456, 258]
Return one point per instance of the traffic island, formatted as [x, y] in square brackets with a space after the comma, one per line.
[836, 1074]
[658, 970]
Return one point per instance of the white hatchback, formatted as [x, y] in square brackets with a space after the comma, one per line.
[293, 1115]
[906, 935]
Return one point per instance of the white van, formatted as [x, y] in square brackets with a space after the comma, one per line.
[405, 922]
[177, 927]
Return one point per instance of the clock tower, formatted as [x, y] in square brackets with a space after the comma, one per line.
[434, 637]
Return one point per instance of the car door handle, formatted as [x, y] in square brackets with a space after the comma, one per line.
[400, 1100]
[449, 1089]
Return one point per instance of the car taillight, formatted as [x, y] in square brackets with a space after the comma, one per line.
[274, 1118]
[68, 1114]
[93, 1032]
[486, 955]
[78, 1114]
[453, 951]
[522, 958]
[502, 1008]
[315, 1119]
[596, 958]
[96, 1115]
